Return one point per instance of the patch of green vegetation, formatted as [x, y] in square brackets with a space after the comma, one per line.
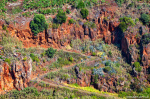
[144, 93]
[68, 11]
[7, 60]
[145, 18]
[137, 66]
[81, 5]
[125, 22]
[71, 59]
[4, 27]
[93, 54]
[54, 93]
[120, 2]
[25, 58]
[90, 89]
[9, 44]
[65, 58]
[107, 69]
[55, 26]
[34, 57]
[90, 24]
[2, 7]
[16, 10]
[34, 4]
[146, 38]
[84, 12]
[50, 52]
[110, 53]
[38, 24]
[71, 21]
[61, 17]
[27, 14]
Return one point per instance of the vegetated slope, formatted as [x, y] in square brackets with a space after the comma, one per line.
[74, 25]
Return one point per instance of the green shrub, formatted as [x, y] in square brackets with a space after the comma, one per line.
[107, 69]
[68, 11]
[71, 21]
[61, 17]
[43, 54]
[25, 58]
[117, 65]
[93, 54]
[44, 69]
[136, 20]
[38, 24]
[50, 52]
[146, 38]
[95, 79]
[27, 14]
[64, 76]
[71, 59]
[90, 24]
[107, 63]
[120, 2]
[81, 5]
[7, 60]
[4, 27]
[131, 5]
[32, 90]
[125, 22]
[34, 57]
[16, 10]
[137, 66]
[55, 26]
[47, 11]
[1, 57]
[145, 18]
[84, 12]
[121, 79]
[110, 53]
[44, 60]
[103, 1]
[93, 25]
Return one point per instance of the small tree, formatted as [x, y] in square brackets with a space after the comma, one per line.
[81, 5]
[125, 22]
[145, 18]
[38, 24]
[137, 66]
[61, 17]
[71, 21]
[84, 12]
[50, 52]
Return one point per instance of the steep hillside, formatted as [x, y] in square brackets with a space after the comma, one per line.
[98, 45]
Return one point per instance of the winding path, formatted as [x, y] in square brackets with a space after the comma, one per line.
[41, 78]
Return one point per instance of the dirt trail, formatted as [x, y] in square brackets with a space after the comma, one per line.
[40, 78]
[65, 67]
[79, 90]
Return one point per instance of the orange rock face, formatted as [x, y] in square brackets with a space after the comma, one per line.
[6, 80]
[16, 76]
[65, 33]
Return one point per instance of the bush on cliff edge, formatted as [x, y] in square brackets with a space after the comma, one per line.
[38, 24]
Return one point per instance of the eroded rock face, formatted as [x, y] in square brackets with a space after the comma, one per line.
[65, 33]
[6, 79]
[15, 76]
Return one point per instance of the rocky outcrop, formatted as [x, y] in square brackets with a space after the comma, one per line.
[66, 32]
[16, 76]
